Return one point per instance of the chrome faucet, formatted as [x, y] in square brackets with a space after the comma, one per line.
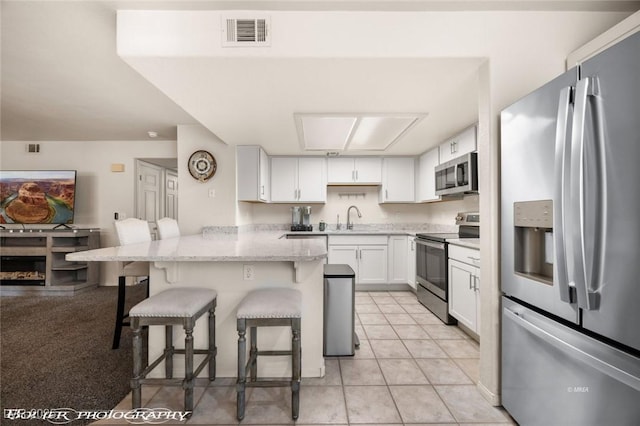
[349, 223]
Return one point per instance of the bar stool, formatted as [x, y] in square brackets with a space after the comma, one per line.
[181, 306]
[129, 231]
[270, 307]
[167, 228]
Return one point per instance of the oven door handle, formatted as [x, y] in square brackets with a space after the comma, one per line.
[430, 244]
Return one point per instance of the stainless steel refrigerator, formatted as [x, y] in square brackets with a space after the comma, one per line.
[570, 226]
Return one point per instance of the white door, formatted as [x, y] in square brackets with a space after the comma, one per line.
[398, 259]
[411, 262]
[368, 170]
[427, 176]
[312, 186]
[398, 180]
[263, 188]
[284, 179]
[344, 255]
[460, 144]
[462, 294]
[149, 198]
[340, 170]
[171, 194]
[372, 265]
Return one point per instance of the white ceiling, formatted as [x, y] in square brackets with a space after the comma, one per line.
[62, 80]
[253, 100]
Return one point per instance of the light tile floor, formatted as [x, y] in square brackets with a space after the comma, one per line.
[410, 369]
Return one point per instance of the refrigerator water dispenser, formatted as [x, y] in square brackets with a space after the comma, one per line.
[533, 246]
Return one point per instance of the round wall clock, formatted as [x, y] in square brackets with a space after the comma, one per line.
[202, 165]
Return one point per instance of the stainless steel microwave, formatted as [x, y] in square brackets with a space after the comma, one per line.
[457, 176]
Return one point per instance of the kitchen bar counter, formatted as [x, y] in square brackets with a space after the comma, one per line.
[233, 265]
[243, 247]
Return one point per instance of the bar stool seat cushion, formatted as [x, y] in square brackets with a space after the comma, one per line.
[271, 303]
[183, 302]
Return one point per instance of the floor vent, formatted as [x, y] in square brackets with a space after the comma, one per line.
[246, 32]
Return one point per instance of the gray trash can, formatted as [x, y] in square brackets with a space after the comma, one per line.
[339, 311]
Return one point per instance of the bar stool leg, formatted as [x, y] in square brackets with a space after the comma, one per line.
[136, 389]
[188, 367]
[213, 351]
[253, 353]
[240, 387]
[168, 350]
[296, 353]
[117, 331]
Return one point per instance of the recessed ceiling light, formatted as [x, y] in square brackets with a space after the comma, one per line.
[353, 132]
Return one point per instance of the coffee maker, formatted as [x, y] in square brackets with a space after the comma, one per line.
[301, 218]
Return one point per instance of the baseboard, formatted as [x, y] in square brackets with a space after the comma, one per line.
[492, 398]
[384, 287]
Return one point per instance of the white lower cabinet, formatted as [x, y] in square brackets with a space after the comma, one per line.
[464, 286]
[367, 256]
[411, 262]
[398, 259]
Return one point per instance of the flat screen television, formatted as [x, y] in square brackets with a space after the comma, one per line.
[37, 196]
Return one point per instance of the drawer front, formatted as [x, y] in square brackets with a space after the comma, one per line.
[464, 254]
[357, 239]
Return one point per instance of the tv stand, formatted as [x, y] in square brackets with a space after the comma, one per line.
[33, 261]
[63, 225]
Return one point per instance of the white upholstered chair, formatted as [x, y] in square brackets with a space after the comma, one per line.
[129, 231]
[168, 228]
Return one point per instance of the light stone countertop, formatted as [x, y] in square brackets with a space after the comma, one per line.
[473, 243]
[356, 232]
[241, 247]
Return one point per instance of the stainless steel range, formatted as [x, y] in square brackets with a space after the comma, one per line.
[432, 265]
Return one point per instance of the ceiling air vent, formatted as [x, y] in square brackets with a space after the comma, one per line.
[245, 32]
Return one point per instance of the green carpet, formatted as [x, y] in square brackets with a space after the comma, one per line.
[56, 352]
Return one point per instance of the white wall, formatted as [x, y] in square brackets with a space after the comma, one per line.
[100, 192]
[196, 208]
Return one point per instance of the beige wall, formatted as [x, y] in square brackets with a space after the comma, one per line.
[100, 192]
[366, 199]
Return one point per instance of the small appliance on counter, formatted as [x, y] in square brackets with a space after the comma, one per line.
[301, 218]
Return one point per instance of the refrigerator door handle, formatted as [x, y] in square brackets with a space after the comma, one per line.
[573, 351]
[561, 168]
[587, 299]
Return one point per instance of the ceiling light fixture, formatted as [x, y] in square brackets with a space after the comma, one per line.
[152, 134]
[353, 132]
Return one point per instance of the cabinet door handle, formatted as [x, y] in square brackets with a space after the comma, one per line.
[353, 175]
[386, 194]
[262, 190]
[356, 175]
[471, 285]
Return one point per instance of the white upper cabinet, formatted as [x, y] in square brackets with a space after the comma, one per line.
[427, 176]
[398, 180]
[461, 144]
[354, 171]
[252, 169]
[298, 180]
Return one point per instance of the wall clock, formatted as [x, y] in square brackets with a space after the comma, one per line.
[202, 165]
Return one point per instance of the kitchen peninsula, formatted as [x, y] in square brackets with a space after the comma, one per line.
[234, 264]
